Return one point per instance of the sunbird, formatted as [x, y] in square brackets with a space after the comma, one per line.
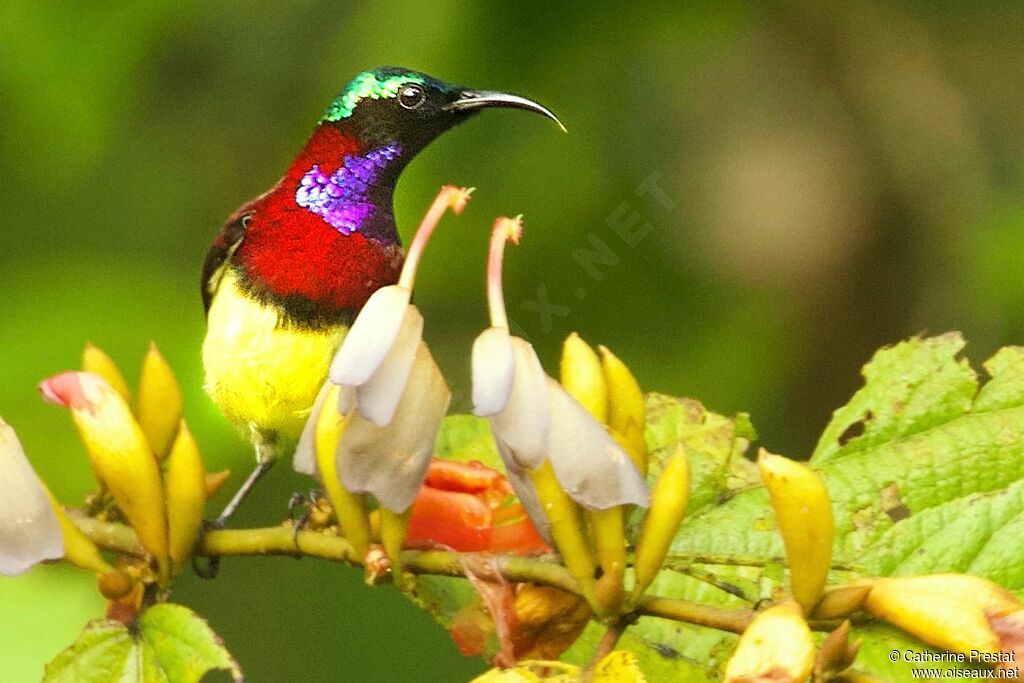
[290, 269]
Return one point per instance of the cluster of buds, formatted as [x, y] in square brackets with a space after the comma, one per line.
[561, 452]
[149, 470]
[955, 612]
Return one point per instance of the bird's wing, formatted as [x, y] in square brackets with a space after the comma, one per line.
[224, 245]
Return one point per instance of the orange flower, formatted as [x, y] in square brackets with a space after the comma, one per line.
[466, 506]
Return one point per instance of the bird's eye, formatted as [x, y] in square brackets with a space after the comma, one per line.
[412, 96]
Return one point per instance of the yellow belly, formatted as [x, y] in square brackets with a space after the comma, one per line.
[263, 377]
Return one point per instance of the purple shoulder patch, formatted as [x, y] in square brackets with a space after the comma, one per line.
[342, 199]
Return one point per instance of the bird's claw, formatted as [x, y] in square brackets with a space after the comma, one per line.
[307, 501]
[212, 567]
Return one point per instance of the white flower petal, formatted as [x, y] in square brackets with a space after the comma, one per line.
[390, 462]
[522, 426]
[371, 336]
[378, 397]
[29, 531]
[304, 460]
[589, 465]
[346, 400]
[494, 367]
[520, 481]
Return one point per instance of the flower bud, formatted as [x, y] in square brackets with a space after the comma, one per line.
[349, 508]
[185, 481]
[115, 584]
[159, 403]
[803, 513]
[839, 602]
[79, 549]
[618, 666]
[955, 612]
[669, 498]
[214, 480]
[118, 451]
[607, 527]
[627, 413]
[563, 517]
[777, 646]
[29, 529]
[837, 654]
[394, 526]
[96, 361]
[547, 621]
[582, 377]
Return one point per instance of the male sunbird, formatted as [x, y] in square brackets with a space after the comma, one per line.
[290, 269]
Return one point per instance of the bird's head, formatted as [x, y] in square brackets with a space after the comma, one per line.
[394, 105]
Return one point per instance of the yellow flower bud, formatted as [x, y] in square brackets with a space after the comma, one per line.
[214, 480]
[668, 505]
[349, 508]
[777, 646]
[159, 402]
[627, 413]
[803, 513]
[119, 454]
[115, 584]
[618, 666]
[79, 550]
[839, 602]
[185, 481]
[609, 534]
[394, 527]
[955, 612]
[563, 517]
[96, 361]
[547, 621]
[582, 377]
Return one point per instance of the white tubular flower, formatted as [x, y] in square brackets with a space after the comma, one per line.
[29, 531]
[377, 355]
[532, 417]
[390, 462]
[393, 396]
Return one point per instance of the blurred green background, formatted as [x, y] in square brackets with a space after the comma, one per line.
[829, 180]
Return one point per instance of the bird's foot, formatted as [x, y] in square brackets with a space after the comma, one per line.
[309, 504]
[211, 569]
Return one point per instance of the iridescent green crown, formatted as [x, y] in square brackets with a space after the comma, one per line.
[378, 84]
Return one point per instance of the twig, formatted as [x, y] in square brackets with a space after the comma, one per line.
[608, 640]
[279, 540]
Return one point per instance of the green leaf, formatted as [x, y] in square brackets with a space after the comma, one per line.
[924, 468]
[909, 388]
[464, 438]
[169, 644]
[926, 475]
[714, 444]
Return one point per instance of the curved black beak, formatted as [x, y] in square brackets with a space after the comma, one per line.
[478, 99]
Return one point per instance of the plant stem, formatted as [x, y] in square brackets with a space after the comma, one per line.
[608, 640]
[278, 540]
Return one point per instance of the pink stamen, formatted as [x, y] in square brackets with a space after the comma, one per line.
[450, 197]
[505, 230]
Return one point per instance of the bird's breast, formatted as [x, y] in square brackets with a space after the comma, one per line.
[260, 372]
[291, 257]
